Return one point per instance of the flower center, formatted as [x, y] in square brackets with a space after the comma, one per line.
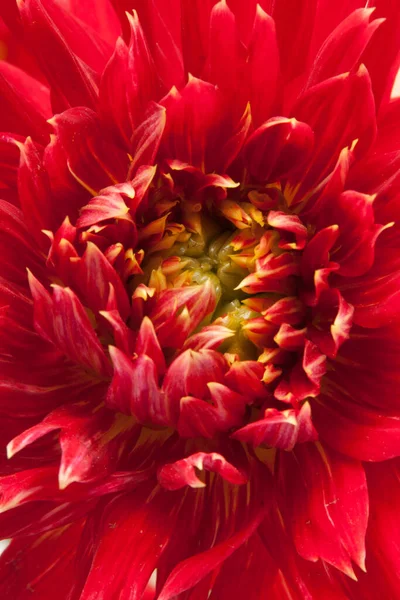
[215, 305]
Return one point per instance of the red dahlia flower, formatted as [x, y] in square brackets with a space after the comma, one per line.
[200, 290]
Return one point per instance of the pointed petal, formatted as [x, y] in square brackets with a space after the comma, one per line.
[141, 526]
[326, 499]
[192, 570]
[277, 148]
[75, 84]
[263, 65]
[343, 49]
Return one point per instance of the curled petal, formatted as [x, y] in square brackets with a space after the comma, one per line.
[134, 389]
[176, 475]
[109, 204]
[62, 320]
[209, 338]
[147, 343]
[224, 410]
[305, 377]
[91, 437]
[190, 373]
[280, 429]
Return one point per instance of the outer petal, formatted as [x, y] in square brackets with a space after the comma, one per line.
[326, 499]
[383, 531]
[100, 17]
[385, 45]
[93, 160]
[342, 50]
[263, 67]
[189, 572]
[360, 432]
[223, 66]
[294, 33]
[141, 525]
[128, 82]
[247, 571]
[339, 110]
[73, 85]
[161, 21]
[354, 249]
[45, 565]
[24, 103]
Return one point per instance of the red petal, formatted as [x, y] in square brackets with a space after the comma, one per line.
[93, 277]
[383, 531]
[294, 33]
[190, 373]
[109, 204]
[384, 44]
[75, 84]
[91, 441]
[182, 472]
[326, 500]
[277, 148]
[17, 247]
[342, 50]
[361, 432]
[141, 526]
[62, 320]
[279, 429]
[198, 417]
[147, 343]
[223, 66]
[45, 565]
[93, 160]
[128, 82]
[288, 224]
[101, 18]
[245, 376]
[147, 137]
[209, 338]
[192, 116]
[249, 570]
[339, 110]
[263, 67]
[134, 389]
[192, 570]
[24, 104]
[161, 21]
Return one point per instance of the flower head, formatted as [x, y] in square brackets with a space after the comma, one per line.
[200, 270]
